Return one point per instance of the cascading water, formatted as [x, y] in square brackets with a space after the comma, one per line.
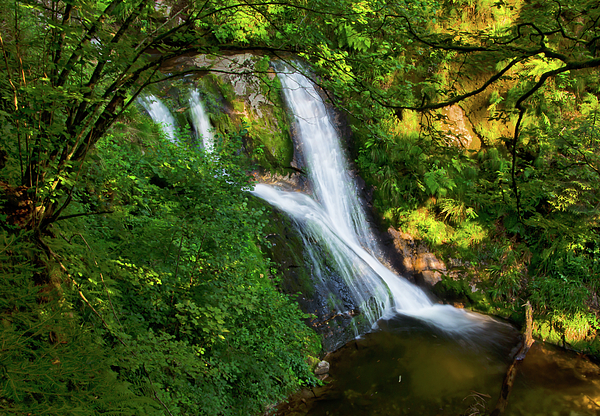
[201, 122]
[405, 371]
[160, 114]
[332, 223]
[334, 219]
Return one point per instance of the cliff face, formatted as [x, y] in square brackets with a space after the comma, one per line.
[442, 181]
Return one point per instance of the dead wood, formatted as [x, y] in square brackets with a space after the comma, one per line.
[511, 373]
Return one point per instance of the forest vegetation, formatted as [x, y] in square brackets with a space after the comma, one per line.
[135, 279]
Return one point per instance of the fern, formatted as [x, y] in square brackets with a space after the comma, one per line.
[456, 211]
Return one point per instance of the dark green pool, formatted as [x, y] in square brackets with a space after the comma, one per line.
[407, 368]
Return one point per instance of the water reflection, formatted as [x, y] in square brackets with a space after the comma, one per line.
[556, 382]
[409, 368]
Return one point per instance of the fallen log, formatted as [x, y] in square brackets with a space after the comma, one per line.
[511, 373]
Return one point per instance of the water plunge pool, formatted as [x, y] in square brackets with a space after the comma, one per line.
[406, 367]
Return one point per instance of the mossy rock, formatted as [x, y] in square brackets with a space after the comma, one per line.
[259, 111]
[286, 250]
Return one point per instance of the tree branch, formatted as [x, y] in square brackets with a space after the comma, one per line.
[84, 214]
[462, 97]
[68, 67]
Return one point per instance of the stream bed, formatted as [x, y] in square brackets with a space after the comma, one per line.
[408, 368]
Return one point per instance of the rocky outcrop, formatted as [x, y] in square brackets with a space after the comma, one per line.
[322, 370]
[417, 261]
[460, 127]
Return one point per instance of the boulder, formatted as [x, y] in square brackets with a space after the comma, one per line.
[418, 262]
[428, 278]
[322, 368]
[428, 268]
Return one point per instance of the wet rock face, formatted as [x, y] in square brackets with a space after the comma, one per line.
[296, 182]
[286, 250]
[416, 260]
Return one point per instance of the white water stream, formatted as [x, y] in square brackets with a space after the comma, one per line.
[160, 114]
[201, 122]
[332, 221]
[333, 218]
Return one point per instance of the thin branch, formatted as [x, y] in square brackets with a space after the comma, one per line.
[58, 53]
[83, 214]
[163, 25]
[62, 78]
[560, 26]
[87, 302]
[514, 161]
[462, 97]
[16, 101]
[78, 116]
[154, 391]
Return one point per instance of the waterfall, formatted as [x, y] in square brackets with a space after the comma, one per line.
[201, 122]
[332, 220]
[160, 114]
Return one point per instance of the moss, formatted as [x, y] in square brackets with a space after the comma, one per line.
[270, 141]
[271, 145]
[312, 362]
[226, 89]
[217, 104]
[286, 249]
[575, 334]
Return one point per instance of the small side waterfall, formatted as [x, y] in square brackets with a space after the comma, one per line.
[333, 221]
[201, 122]
[160, 114]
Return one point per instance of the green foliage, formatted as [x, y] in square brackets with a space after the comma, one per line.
[50, 365]
[507, 273]
[456, 211]
[528, 199]
[438, 182]
[397, 166]
[163, 304]
[190, 284]
[170, 293]
[549, 254]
